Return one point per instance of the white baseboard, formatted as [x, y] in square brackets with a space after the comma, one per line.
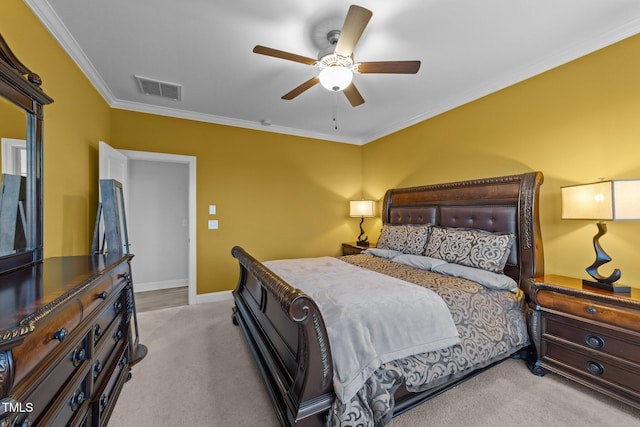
[214, 297]
[154, 286]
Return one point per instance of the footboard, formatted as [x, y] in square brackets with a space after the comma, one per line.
[287, 337]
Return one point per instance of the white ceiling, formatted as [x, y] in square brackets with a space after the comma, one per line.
[468, 49]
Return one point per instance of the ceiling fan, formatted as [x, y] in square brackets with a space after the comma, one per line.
[336, 63]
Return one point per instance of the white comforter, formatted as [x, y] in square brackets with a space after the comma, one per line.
[370, 318]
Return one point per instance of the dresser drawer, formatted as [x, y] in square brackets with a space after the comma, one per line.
[589, 309]
[93, 297]
[71, 404]
[104, 354]
[592, 337]
[75, 359]
[594, 368]
[102, 323]
[104, 395]
[47, 339]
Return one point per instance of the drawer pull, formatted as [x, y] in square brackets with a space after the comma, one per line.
[594, 367]
[61, 334]
[97, 368]
[117, 335]
[591, 310]
[25, 422]
[97, 331]
[123, 361]
[103, 402]
[117, 306]
[76, 400]
[78, 356]
[594, 341]
[124, 276]
[103, 295]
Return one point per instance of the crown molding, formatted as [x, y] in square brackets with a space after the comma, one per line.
[56, 27]
[220, 120]
[578, 50]
[59, 31]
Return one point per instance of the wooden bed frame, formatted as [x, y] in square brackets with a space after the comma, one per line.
[286, 332]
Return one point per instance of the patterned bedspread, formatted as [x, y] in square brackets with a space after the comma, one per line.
[491, 325]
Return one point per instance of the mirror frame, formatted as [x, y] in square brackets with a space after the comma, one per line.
[21, 87]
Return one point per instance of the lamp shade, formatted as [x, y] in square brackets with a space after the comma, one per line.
[613, 200]
[361, 208]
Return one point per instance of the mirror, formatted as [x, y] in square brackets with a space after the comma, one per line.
[21, 113]
[13, 201]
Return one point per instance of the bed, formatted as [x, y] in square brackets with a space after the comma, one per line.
[287, 333]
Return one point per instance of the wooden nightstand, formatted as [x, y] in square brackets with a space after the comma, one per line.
[587, 335]
[352, 248]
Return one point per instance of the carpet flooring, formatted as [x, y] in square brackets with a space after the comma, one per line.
[199, 372]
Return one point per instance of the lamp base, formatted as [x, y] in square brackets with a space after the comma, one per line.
[362, 243]
[616, 289]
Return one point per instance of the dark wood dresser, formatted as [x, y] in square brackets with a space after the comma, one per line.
[587, 335]
[66, 340]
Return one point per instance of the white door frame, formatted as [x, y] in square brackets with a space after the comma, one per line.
[10, 147]
[190, 161]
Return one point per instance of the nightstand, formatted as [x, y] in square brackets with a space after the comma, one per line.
[587, 335]
[352, 248]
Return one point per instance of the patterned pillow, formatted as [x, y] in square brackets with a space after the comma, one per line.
[473, 248]
[417, 237]
[393, 237]
[408, 239]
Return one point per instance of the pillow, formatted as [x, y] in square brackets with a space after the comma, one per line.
[486, 278]
[417, 237]
[418, 261]
[470, 247]
[409, 239]
[382, 253]
[393, 237]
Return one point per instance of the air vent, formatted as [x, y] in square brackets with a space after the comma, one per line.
[158, 88]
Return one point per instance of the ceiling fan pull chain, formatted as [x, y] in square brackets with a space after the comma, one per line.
[335, 112]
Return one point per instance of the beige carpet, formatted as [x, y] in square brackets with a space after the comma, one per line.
[199, 372]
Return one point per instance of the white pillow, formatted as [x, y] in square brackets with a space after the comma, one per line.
[486, 278]
[382, 253]
[418, 261]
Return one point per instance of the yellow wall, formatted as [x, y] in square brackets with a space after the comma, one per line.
[576, 123]
[282, 196]
[277, 196]
[74, 123]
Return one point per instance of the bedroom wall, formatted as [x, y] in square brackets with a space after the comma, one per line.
[576, 123]
[74, 123]
[278, 196]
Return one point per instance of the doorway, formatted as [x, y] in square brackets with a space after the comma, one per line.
[161, 208]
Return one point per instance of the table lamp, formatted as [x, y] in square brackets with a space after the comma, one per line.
[362, 209]
[613, 200]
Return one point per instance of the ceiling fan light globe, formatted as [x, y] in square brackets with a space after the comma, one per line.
[336, 78]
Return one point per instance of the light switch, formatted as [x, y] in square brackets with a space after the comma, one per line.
[213, 224]
[212, 209]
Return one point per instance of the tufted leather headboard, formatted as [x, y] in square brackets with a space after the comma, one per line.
[501, 204]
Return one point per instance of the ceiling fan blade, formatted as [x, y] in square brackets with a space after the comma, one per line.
[304, 86]
[262, 50]
[353, 95]
[398, 67]
[353, 27]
